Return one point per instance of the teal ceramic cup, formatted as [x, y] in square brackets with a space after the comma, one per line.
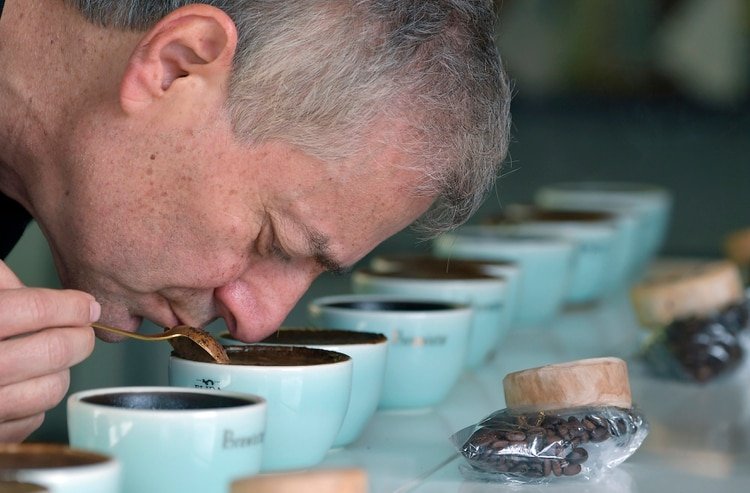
[307, 391]
[648, 205]
[460, 283]
[427, 342]
[58, 468]
[597, 258]
[507, 270]
[368, 351]
[544, 261]
[169, 439]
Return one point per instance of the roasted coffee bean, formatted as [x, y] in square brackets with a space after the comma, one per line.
[571, 470]
[621, 426]
[577, 456]
[516, 436]
[599, 435]
[483, 437]
[536, 432]
[557, 468]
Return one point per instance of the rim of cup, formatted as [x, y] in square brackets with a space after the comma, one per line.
[487, 235]
[331, 337]
[522, 213]
[614, 186]
[316, 357]
[228, 401]
[617, 196]
[415, 275]
[369, 302]
[414, 261]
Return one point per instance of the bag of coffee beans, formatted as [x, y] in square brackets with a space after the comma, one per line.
[697, 314]
[569, 419]
[531, 447]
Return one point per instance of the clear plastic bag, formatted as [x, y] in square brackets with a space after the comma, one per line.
[537, 447]
[699, 349]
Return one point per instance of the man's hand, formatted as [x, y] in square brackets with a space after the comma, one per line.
[43, 332]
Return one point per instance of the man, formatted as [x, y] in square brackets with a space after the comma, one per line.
[211, 160]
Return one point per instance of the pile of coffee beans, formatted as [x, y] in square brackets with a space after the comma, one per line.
[700, 348]
[540, 445]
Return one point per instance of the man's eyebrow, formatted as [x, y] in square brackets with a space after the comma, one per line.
[321, 252]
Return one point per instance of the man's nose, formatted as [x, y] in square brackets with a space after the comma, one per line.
[255, 305]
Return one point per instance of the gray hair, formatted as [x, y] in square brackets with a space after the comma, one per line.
[320, 73]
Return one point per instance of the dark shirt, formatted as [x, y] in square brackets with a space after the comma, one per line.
[13, 222]
[13, 217]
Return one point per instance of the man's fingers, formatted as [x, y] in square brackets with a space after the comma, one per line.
[30, 309]
[18, 429]
[23, 399]
[43, 353]
[7, 278]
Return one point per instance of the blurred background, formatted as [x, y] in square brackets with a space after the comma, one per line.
[652, 91]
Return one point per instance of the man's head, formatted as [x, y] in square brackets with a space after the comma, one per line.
[226, 153]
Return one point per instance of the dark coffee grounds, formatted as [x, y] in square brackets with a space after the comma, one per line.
[282, 356]
[167, 401]
[323, 337]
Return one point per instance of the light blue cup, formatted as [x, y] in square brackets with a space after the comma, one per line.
[507, 270]
[58, 468]
[427, 342]
[648, 205]
[171, 440]
[368, 351]
[307, 391]
[485, 293]
[545, 264]
[597, 257]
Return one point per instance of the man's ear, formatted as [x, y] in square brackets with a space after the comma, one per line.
[194, 44]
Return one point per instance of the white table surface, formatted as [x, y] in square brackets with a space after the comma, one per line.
[699, 438]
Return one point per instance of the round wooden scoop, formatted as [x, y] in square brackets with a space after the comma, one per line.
[17, 487]
[584, 383]
[737, 247]
[685, 291]
[320, 481]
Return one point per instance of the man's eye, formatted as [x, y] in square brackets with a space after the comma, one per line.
[279, 253]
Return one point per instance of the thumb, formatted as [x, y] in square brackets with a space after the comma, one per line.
[8, 280]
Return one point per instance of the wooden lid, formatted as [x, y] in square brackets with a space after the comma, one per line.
[320, 481]
[17, 487]
[682, 292]
[588, 382]
[737, 247]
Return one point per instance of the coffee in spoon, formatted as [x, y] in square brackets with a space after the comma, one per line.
[187, 342]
